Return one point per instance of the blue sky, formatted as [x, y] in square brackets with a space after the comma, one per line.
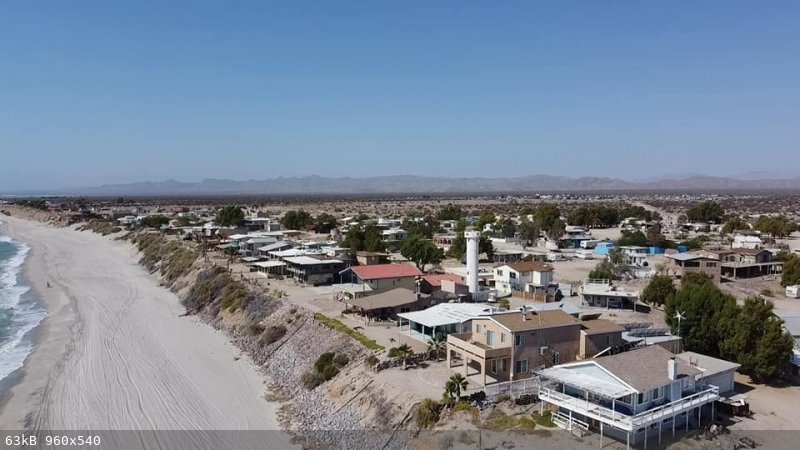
[95, 92]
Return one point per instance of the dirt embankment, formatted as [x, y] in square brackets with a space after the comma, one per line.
[284, 340]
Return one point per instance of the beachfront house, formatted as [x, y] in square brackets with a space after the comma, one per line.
[383, 277]
[511, 345]
[632, 396]
[308, 270]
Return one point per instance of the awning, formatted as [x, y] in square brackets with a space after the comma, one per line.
[586, 382]
[269, 264]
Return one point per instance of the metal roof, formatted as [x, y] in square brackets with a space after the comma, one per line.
[685, 256]
[448, 313]
[268, 264]
[309, 261]
[574, 376]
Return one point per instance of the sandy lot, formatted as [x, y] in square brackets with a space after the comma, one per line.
[114, 353]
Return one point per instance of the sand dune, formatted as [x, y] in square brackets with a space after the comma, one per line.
[114, 353]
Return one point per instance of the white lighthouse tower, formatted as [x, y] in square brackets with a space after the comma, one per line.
[473, 239]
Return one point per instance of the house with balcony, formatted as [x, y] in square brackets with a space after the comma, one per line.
[634, 255]
[744, 262]
[632, 396]
[528, 276]
[308, 270]
[683, 263]
[511, 345]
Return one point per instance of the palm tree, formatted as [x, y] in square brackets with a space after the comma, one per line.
[405, 352]
[455, 385]
[436, 345]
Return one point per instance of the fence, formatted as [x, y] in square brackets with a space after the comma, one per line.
[513, 389]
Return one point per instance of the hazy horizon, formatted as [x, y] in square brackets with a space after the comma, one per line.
[96, 93]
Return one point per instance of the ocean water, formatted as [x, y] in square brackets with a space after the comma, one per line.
[19, 310]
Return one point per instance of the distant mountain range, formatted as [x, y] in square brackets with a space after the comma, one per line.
[410, 184]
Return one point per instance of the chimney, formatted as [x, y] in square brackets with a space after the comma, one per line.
[672, 369]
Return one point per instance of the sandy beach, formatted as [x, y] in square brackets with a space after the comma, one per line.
[114, 353]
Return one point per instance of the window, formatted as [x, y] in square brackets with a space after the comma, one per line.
[640, 400]
[504, 365]
[499, 273]
[494, 366]
[657, 393]
[512, 275]
[522, 366]
[490, 338]
[627, 399]
[477, 329]
[519, 339]
[502, 337]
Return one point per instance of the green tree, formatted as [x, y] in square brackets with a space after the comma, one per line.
[455, 386]
[604, 270]
[546, 216]
[361, 238]
[507, 228]
[774, 351]
[777, 227]
[658, 290]
[791, 271]
[635, 237]
[459, 247]
[486, 218]
[297, 220]
[616, 256]
[436, 345]
[734, 224]
[423, 226]
[405, 352]
[155, 221]
[654, 236]
[707, 314]
[372, 239]
[528, 231]
[450, 212]
[325, 223]
[556, 229]
[706, 211]
[230, 216]
[421, 252]
[758, 342]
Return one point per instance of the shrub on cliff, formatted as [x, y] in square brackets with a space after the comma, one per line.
[206, 289]
[325, 368]
[427, 414]
[272, 335]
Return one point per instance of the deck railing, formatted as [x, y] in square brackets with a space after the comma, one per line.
[624, 421]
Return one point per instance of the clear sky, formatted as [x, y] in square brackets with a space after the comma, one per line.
[95, 92]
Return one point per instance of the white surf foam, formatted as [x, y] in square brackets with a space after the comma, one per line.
[23, 314]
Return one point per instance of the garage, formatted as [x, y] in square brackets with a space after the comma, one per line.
[716, 372]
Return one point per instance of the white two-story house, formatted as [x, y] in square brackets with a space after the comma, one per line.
[522, 276]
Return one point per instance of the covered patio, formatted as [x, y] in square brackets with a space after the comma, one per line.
[444, 319]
